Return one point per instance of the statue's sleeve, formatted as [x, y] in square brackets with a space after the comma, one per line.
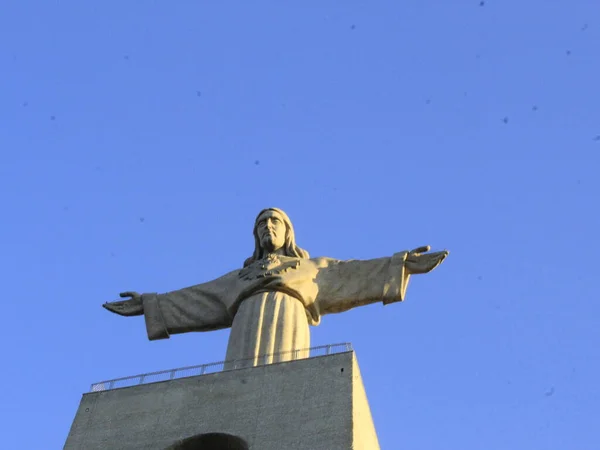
[196, 308]
[343, 285]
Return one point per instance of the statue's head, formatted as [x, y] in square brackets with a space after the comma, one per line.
[274, 233]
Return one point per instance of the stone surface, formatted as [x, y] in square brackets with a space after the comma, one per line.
[270, 302]
[313, 404]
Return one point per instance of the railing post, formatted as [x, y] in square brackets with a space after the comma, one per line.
[142, 379]
[172, 374]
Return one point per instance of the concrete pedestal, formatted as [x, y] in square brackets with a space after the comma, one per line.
[312, 404]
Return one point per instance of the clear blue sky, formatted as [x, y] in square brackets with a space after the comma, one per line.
[139, 139]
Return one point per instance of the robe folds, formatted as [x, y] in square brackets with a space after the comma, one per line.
[270, 304]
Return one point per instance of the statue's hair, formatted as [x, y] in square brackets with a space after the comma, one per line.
[290, 248]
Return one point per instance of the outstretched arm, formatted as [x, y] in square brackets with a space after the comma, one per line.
[345, 285]
[196, 308]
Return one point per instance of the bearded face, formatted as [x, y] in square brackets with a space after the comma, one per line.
[271, 231]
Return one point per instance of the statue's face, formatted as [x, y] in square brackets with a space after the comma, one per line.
[271, 230]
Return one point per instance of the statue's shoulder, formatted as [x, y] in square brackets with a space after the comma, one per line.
[321, 262]
[229, 275]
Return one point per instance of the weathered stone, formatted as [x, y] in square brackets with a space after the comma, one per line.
[314, 404]
[270, 303]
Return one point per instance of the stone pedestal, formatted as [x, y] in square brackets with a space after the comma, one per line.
[312, 404]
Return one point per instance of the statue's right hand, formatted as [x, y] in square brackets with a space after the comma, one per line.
[131, 307]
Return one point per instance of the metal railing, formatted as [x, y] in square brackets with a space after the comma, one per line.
[222, 366]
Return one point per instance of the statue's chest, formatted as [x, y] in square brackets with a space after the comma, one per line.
[267, 267]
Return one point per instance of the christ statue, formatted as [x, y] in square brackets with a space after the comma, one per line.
[280, 291]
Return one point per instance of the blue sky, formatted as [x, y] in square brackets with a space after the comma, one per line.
[140, 139]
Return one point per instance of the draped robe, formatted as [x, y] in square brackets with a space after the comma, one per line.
[270, 304]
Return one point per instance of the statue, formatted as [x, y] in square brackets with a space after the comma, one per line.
[278, 293]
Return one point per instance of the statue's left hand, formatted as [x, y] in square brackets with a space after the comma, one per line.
[418, 261]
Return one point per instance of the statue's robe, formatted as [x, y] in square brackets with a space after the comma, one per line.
[270, 303]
